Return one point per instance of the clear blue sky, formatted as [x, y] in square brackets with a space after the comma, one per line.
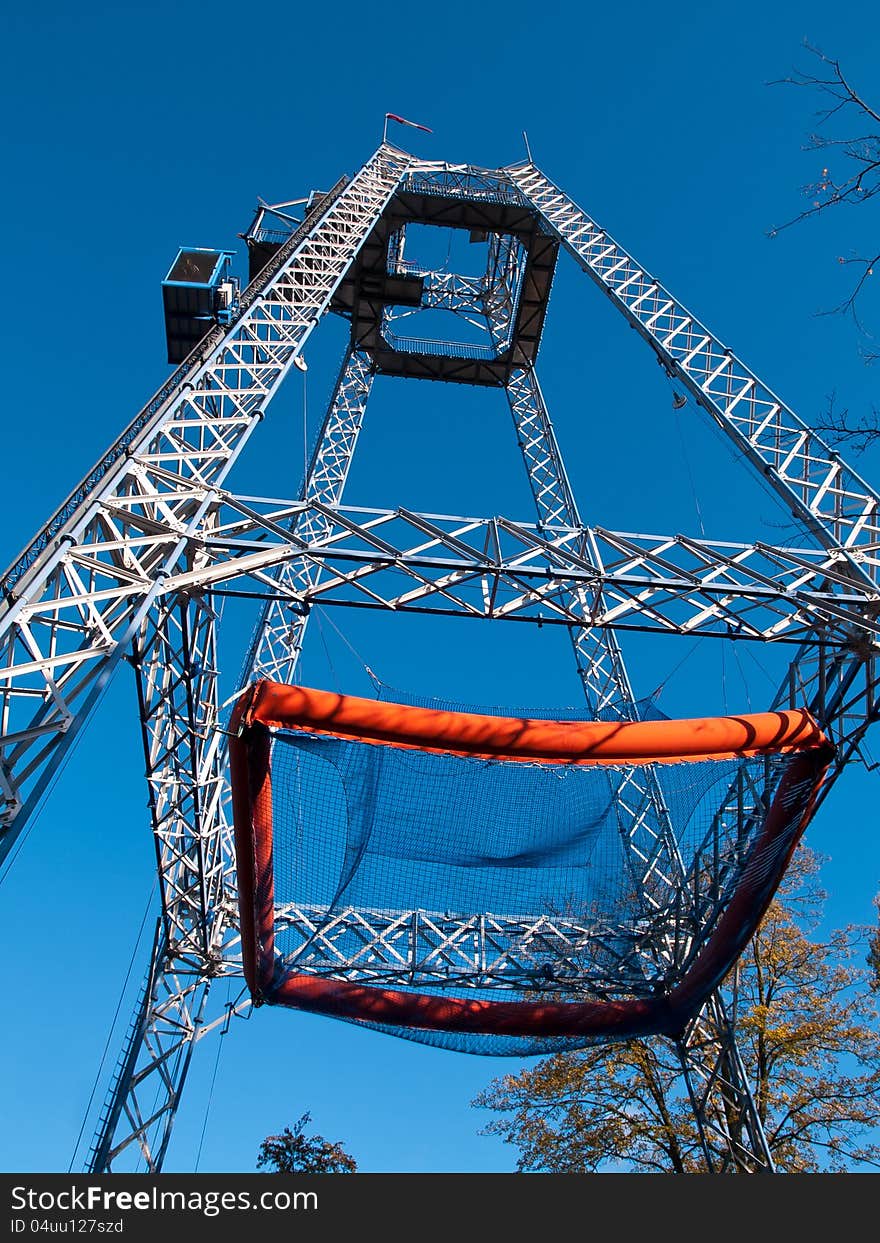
[130, 130]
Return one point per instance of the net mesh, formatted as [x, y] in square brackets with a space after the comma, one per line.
[439, 875]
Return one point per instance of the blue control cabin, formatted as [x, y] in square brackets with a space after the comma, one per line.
[197, 293]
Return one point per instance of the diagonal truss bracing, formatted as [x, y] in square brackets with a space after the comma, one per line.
[500, 569]
[279, 635]
[135, 564]
[165, 475]
[177, 671]
[823, 493]
[643, 819]
[658, 872]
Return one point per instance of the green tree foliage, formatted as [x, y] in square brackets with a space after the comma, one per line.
[293, 1152]
[808, 1032]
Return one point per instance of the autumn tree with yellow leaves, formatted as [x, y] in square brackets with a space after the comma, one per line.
[808, 1033]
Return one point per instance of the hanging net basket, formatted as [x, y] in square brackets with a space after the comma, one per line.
[498, 883]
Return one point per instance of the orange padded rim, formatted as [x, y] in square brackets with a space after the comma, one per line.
[512, 738]
[270, 705]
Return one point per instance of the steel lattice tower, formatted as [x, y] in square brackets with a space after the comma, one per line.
[130, 567]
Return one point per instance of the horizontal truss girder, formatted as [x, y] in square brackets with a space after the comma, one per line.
[402, 561]
[498, 568]
[486, 950]
[140, 549]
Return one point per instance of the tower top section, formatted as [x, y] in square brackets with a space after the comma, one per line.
[452, 282]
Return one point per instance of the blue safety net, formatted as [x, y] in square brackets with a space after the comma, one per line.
[438, 874]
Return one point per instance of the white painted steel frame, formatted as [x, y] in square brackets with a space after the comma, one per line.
[552, 952]
[186, 770]
[822, 492]
[53, 668]
[135, 559]
[279, 635]
[499, 569]
[554, 502]
[677, 896]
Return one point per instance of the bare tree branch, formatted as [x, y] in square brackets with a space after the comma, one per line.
[859, 182]
[840, 427]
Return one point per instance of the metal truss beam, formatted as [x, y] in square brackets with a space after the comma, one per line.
[822, 493]
[472, 567]
[175, 662]
[278, 638]
[176, 668]
[500, 569]
[191, 827]
[643, 817]
[820, 490]
[135, 561]
[144, 1093]
[54, 620]
[186, 767]
[486, 950]
[732, 1135]
[488, 302]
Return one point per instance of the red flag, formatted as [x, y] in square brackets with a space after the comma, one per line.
[392, 116]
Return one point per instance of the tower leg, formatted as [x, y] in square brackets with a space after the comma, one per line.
[187, 774]
[176, 667]
[152, 1066]
[731, 1135]
[655, 862]
[278, 637]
